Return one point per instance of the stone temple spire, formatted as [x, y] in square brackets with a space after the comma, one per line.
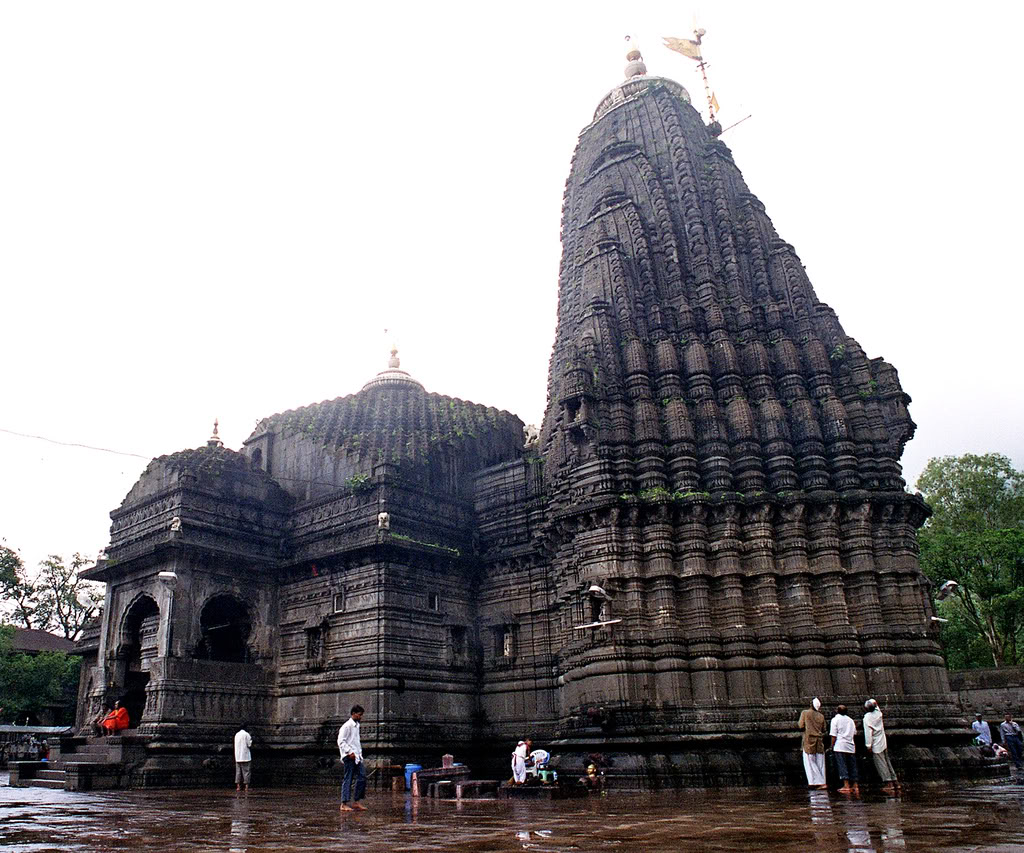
[740, 449]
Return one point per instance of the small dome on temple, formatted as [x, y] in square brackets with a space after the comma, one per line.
[393, 377]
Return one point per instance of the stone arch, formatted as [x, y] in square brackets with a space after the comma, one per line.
[138, 635]
[225, 625]
[138, 646]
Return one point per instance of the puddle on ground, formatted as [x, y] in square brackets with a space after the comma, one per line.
[977, 818]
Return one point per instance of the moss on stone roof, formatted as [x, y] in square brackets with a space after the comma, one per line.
[400, 423]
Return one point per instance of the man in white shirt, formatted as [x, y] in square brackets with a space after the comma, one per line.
[1013, 740]
[982, 729]
[243, 759]
[874, 740]
[842, 731]
[352, 762]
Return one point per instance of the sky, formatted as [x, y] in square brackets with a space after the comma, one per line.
[216, 209]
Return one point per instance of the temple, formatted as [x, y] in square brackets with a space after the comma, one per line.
[709, 529]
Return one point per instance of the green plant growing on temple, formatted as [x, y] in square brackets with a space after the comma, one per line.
[976, 538]
[358, 483]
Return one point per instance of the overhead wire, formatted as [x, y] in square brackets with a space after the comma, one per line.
[82, 446]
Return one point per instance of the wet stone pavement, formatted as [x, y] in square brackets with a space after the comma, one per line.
[974, 818]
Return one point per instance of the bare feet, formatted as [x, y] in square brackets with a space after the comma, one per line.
[846, 789]
[359, 807]
[345, 807]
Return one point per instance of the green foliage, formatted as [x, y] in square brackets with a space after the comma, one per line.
[30, 683]
[976, 537]
[402, 538]
[15, 589]
[358, 483]
[838, 352]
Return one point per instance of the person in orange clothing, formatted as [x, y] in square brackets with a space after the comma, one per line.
[116, 721]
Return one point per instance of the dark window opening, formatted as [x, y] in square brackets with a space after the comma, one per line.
[225, 627]
[434, 601]
[458, 652]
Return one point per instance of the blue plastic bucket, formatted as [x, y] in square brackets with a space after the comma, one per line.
[409, 770]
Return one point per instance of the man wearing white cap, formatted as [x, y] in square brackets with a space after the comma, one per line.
[812, 721]
[874, 740]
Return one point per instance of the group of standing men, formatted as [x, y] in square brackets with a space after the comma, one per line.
[843, 731]
[1009, 733]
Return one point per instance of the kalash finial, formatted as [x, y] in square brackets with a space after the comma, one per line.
[393, 361]
[636, 67]
[214, 440]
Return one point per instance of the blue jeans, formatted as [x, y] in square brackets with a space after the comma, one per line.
[1014, 746]
[846, 765]
[351, 769]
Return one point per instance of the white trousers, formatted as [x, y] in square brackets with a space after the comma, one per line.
[814, 767]
[518, 768]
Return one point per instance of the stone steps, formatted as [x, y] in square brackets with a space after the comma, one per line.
[46, 779]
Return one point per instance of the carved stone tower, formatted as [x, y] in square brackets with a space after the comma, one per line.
[726, 518]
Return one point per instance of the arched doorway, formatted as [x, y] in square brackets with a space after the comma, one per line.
[138, 648]
[224, 626]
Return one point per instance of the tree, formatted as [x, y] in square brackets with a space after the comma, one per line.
[30, 684]
[15, 588]
[66, 602]
[56, 599]
[976, 538]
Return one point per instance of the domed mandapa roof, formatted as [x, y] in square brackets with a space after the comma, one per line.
[398, 421]
[209, 465]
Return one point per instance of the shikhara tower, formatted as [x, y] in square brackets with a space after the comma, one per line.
[710, 529]
[721, 457]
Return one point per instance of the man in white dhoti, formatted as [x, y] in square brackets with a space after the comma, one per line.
[519, 761]
[812, 721]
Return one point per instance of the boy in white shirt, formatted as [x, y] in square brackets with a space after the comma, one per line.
[352, 762]
[243, 759]
[842, 731]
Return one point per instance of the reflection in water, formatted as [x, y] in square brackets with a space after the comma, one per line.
[240, 825]
[822, 820]
[781, 820]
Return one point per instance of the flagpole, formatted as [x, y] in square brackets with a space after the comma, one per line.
[699, 34]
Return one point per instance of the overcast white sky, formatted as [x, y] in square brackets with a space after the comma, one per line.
[215, 209]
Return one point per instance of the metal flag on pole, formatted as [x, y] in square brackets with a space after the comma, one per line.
[692, 48]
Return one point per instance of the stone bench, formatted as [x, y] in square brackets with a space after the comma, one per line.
[423, 779]
[477, 789]
[443, 789]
